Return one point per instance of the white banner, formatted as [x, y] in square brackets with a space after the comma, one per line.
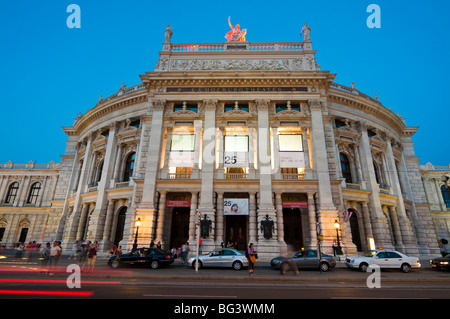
[235, 159]
[181, 159]
[235, 206]
[292, 159]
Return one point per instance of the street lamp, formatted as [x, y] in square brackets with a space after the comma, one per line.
[338, 248]
[138, 223]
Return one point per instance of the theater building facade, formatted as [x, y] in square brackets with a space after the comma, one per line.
[252, 139]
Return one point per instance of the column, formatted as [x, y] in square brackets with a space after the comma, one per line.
[276, 157]
[219, 219]
[252, 224]
[220, 166]
[327, 210]
[97, 224]
[193, 218]
[404, 227]
[146, 209]
[82, 221]
[265, 203]
[161, 219]
[379, 225]
[396, 228]
[308, 171]
[367, 222]
[71, 230]
[312, 221]
[280, 223]
[165, 169]
[107, 240]
[206, 206]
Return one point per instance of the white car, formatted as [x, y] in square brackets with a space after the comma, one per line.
[384, 259]
[222, 257]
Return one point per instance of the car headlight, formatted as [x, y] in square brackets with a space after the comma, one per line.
[443, 263]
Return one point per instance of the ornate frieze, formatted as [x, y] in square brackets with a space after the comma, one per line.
[296, 64]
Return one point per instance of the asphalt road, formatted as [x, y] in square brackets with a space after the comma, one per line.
[21, 279]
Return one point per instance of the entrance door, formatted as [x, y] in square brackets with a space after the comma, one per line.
[120, 226]
[23, 235]
[236, 231]
[293, 227]
[179, 234]
[356, 238]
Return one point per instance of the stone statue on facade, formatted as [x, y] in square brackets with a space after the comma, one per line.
[168, 34]
[306, 31]
[235, 34]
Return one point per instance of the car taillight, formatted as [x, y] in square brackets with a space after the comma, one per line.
[168, 257]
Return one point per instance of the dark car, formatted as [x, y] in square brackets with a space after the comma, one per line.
[441, 263]
[304, 259]
[149, 257]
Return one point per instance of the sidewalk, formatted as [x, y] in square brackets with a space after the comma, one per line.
[263, 272]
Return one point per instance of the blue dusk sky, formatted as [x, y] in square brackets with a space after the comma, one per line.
[50, 72]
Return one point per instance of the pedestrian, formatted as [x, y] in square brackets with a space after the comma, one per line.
[159, 245]
[84, 249]
[113, 251]
[92, 256]
[251, 256]
[290, 262]
[53, 260]
[73, 254]
[20, 250]
[152, 244]
[30, 251]
[184, 252]
[119, 251]
[45, 255]
[200, 243]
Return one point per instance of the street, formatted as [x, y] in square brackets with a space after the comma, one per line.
[21, 279]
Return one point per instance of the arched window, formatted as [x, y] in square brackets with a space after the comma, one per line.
[12, 193]
[98, 173]
[377, 173]
[129, 167]
[345, 168]
[445, 190]
[34, 193]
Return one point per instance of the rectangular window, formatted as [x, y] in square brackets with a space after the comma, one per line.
[183, 142]
[236, 143]
[290, 143]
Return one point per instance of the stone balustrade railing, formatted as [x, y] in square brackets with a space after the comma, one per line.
[217, 47]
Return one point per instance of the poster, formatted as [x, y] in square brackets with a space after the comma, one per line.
[235, 206]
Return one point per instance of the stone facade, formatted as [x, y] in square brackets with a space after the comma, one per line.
[356, 164]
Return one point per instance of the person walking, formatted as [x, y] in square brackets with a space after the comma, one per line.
[73, 254]
[84, 249]
[92, 256]
[251, 256]
[45, 255]
[54, 253]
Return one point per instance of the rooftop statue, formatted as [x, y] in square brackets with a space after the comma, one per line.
[306, 31]
[168, 34]
[235, 34]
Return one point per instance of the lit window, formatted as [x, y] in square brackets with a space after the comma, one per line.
[183, 142]
[290, 142]
[129, 167]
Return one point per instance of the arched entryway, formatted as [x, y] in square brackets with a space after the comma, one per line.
[120, 226]
[354, 226]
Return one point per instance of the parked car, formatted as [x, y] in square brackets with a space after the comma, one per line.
[441, 263]
[148, 257]
[304, 259]
[384, 259]
[222, 257]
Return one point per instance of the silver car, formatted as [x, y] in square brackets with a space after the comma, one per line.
[222, 257]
